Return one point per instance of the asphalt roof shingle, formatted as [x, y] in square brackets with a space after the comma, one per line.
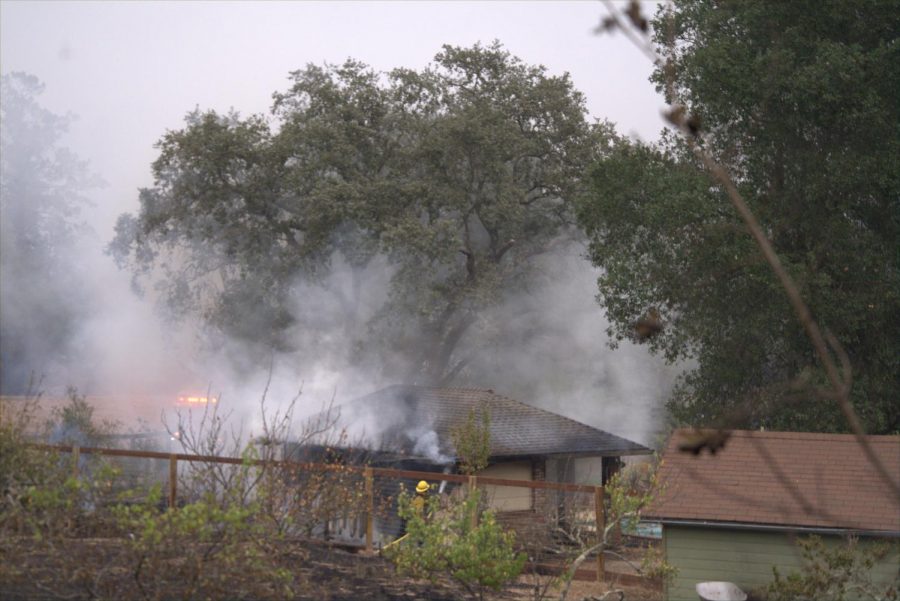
[781, 478]
[517, 429]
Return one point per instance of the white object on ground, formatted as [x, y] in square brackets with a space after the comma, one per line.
[720, 591]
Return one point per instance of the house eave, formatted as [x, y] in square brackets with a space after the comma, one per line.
[774, 527]
[564, 454]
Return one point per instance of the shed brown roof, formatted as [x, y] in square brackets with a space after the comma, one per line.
[789, 479]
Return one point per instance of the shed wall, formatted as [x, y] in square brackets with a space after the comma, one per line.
[743, 557]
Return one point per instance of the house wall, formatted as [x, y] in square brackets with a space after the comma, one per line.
[571, 470]
[588, 470]
[508, 498]
[581, 470]
[743, 557]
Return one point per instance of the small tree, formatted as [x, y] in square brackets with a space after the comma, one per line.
[39, 494]
[208, 548]
[20, 467]
[294, 501]
[837, 573]
[479, 555]
[76, 423]
[472, 442]
[627, 497]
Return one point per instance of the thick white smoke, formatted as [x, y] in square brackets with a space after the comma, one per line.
[545, 345]
[548, 347]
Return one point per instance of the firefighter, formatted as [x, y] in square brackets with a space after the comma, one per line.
[419, 505]
[420, 502]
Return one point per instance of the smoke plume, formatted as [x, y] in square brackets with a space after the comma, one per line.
[70, 315]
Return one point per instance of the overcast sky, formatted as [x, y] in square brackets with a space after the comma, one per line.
[131, 70]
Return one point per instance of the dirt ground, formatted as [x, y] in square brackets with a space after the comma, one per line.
[595, 590]
[584, 589]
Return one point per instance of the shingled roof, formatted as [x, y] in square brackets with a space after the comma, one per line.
[782, 479]
[409, 413]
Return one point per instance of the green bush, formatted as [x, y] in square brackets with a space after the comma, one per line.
[455, 542]
[71, 533]
[205, 549]
[837, 573]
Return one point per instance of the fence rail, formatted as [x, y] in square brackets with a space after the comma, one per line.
[377, 471]
[368, 473]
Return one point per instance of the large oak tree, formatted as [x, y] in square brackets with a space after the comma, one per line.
[457, 175]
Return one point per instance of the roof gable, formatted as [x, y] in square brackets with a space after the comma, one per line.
[789, 479]
[407, 416]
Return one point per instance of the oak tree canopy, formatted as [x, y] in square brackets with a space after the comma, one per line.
[457, 175]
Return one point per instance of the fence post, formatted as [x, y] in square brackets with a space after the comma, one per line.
[473, 483]
[76, 458]
[173, 479]
[600, 516]
[370, 510]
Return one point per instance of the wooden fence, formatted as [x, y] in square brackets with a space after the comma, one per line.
[367, 472]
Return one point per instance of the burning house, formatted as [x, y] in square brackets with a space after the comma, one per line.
[410, 427]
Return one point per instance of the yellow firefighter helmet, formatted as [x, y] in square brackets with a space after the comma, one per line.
[422, 487]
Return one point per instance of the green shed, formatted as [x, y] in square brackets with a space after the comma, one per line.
[736, 514]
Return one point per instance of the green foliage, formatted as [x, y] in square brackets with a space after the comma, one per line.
[63, 505]
[20, 467]
[842, 572]
[797, 101]
[456, 542]
[75, 423]
[199, 548]
[655, 567]
[628, 493]
[40, 494]
[225, 543]
[472, 442]
[457, 176]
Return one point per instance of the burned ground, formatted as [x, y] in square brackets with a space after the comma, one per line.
[94, 569]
